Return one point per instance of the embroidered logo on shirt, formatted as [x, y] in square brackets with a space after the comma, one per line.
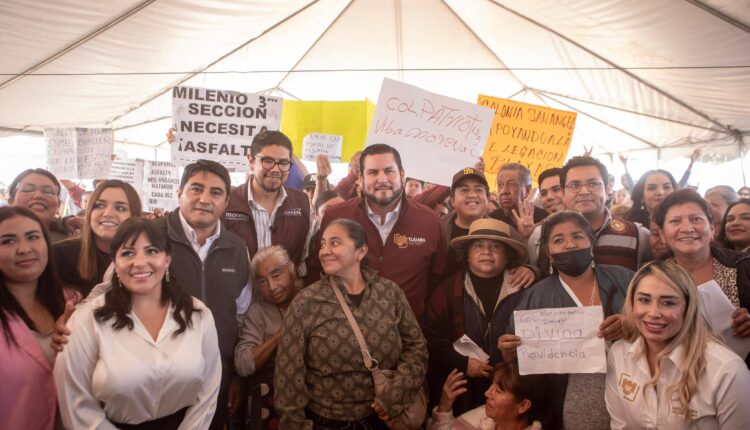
[293, 212]
[403, 241]
[236, 216]
[228, 270]
[628, 386]
[617, 226]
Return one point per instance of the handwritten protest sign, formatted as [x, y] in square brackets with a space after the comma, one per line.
[79, 153]
[348, 119]
[219, 125]
[315, 144]
[435, 135]
[128, 170]
[160, 183]
[537, 137]
[560, 340]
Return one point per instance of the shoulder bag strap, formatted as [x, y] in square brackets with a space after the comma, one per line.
[355, 327]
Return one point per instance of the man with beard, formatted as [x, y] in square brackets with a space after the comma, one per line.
[263, 211]
[405, 239]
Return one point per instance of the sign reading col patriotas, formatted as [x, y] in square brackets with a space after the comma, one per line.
[435, 135]
[219, 125]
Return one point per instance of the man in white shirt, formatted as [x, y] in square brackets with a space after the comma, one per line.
[210, 262]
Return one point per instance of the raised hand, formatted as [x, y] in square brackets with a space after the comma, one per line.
[455, 385]
[524, 216]
[324, 166]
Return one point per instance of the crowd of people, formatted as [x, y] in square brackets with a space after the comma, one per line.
[300, 304]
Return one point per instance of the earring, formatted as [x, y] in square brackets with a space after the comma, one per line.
[166, 276]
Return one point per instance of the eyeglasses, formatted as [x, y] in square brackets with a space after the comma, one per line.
[268, 163]
[590, 186]
[47, 190]
[481, 245]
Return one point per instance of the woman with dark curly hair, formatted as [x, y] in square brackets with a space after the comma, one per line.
[145, 354]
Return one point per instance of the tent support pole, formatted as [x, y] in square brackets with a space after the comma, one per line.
[618, 67]
[604, 105]
[125, 15]
[213, 63]
[601, 121]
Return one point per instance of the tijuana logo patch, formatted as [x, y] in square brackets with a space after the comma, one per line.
[628, 387]
[617, 226]
[400, 240]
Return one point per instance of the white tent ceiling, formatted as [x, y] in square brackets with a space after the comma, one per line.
[644, 75]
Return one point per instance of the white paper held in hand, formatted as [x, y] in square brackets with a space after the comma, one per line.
[465, 346]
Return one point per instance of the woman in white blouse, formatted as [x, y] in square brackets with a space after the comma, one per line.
[669, 372]
[144, 355]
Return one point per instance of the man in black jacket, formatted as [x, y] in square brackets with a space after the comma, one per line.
[211, 263]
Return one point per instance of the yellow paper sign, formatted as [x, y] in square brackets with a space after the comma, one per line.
[349, 119]
[537, 137]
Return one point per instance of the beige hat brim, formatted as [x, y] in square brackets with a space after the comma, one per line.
[519, 248]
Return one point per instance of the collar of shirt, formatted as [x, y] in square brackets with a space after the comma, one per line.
[192, 237]
[390, 219]
[607, 220]
[638, 349]
[251, 200]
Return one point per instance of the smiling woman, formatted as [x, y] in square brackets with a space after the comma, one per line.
[83, 261]
[144, 332]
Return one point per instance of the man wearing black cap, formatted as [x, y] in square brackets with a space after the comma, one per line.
[469, 195]
[210, 262]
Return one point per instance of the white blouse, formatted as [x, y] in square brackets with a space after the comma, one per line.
[125, 376]
[720, 402]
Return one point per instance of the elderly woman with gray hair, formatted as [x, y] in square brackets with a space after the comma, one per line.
[276, 285]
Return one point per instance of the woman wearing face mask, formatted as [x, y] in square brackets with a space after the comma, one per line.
[260, 328]
[575, 400]
[669, 372]
[145, 354]
[650, 190]
[83, 260]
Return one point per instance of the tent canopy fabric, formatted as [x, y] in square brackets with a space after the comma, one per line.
[663, 76]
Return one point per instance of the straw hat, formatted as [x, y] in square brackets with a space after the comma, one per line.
[492, 229]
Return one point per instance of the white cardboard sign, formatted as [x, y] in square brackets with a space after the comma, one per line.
[161, 181]
[128, 170]
[79, 153]
[560, 340]
[315, 144]
[434, 134]
[219, 125]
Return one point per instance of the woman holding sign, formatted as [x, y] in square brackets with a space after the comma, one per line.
[83, 260]
[476, 302]
[574, 400]
[669, 372]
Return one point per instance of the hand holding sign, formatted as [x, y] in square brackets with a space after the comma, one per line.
[560, 340]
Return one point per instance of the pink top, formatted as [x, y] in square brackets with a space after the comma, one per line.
[27, 397]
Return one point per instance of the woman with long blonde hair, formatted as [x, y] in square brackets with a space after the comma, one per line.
[669, 372]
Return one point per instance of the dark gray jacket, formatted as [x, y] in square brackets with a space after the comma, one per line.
[217, 282]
